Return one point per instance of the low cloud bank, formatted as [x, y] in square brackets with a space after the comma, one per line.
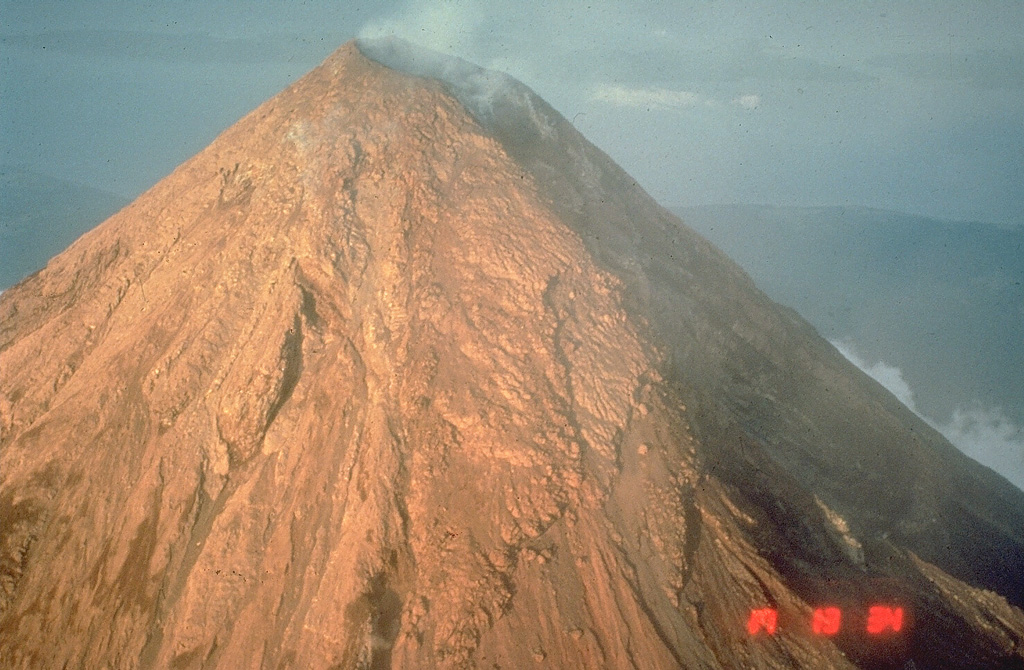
[889, 376]
[664, 98]
[985, 434]
[989, 437]
[651, 98]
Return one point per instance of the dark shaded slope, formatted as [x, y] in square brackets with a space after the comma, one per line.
[940, 300]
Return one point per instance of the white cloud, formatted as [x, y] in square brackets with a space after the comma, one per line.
[985, 434]
[649, 98]
[989, 437]
[664, 98]
[749, 101]
[889, 376]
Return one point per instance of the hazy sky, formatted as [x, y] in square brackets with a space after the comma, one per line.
[912, 106]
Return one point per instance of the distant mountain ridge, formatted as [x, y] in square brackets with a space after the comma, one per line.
[941, 300]
[41, 215]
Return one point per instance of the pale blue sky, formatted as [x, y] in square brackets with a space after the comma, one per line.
[910, 106]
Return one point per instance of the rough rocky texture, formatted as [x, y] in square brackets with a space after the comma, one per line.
[375, 382]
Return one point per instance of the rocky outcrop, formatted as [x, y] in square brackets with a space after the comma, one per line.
[380, 380]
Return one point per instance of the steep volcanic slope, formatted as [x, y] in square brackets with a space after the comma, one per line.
[915, 292]
[380, 379]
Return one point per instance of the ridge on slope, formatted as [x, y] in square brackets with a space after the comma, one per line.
[241, 423]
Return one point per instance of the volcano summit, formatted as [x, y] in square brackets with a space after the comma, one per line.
[402, 372]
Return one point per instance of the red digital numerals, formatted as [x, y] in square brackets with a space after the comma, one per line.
[826, 620]
[881, 619]
[763, 620]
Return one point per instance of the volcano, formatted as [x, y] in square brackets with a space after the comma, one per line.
[402, 372]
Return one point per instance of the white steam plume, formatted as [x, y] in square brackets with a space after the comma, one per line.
[442, 26]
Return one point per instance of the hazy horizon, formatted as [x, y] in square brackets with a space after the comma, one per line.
[915, 108]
